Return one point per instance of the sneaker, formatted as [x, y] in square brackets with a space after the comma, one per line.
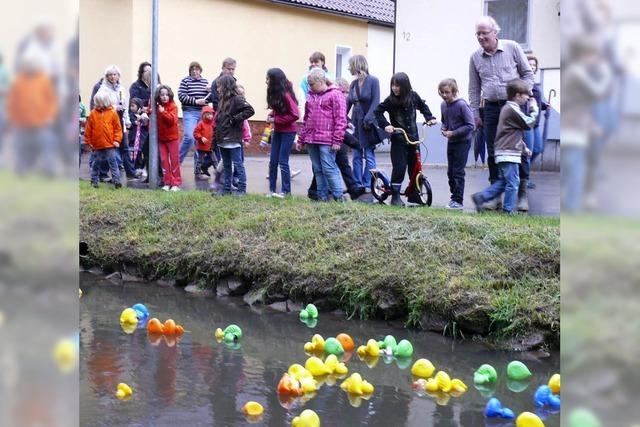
[277, 195]
[107, 179]
[267, 176]
[454, 205]
[478, 201]
[166, 188]
[175, 188]
[294, 173]
[117, 185]
[531, 185]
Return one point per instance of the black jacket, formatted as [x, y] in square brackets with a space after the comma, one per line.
[402, 116]
[229, 122]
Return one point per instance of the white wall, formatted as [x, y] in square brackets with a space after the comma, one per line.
[380, 56]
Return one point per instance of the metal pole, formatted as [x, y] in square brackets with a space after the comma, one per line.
[153, 131]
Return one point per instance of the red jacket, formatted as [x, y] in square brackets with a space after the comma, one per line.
[102, 129]
[168, 123]
[204, 129]
[286, 122]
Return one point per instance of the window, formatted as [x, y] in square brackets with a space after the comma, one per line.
[513, 17]
[343, 54]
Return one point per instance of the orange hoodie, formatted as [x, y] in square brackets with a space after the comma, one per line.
[204, 129]
[102, 129]
[32, 101]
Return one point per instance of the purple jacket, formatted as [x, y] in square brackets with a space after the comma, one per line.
[325, 118]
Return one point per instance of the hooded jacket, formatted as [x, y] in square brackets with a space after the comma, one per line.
[229, 123]
[204, 129]
[325, 118]
[168, 123]
[403, 115]
[102, 129]
[32, 101]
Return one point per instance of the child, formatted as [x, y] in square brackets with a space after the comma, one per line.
[323, 128]
[103, 134]
[168, 138]
[138, 132]
[401, 105]
[233, 110]
[203, 135]
[82, 121]
[509, 146]
[457, 127]
[283, 113]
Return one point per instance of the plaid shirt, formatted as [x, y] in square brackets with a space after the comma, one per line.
[325, 118]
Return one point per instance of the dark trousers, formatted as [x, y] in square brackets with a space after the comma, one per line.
[342, 160]
[490, 122]
[457, 154]
[204, 162]
[233, 156]
[403, 157]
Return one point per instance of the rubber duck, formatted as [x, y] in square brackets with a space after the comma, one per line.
[494, 409]
[517, 370]
[65, 354]
[554, 383]
[289, 385]
[545, 397]
[431, 385]
[335, 366]
[219, 334]
[388, 345]
[403, 349]
[253, 408]
[333, 346]
[527, 419]
[346, 341]
[79, 293]
[142, 313]
[298, 372]
[309, 312]
[307, 418]
[123, 391]
[315, 345]
[356, 385]
[128, 317]
[356, 400]
[485, 374]
[444, 381]
[423, 368]
[232, 333]
[128, 328]
[308, 385]
[371, 349]
[311, 323]
[458, 387]
[316, 366]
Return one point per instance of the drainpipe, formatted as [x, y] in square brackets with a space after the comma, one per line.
[153, 131]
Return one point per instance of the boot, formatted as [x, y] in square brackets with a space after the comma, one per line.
[395, 195]
[523, 197]
[493, 204]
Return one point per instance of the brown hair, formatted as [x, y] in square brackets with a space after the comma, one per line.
[194, 64]
[531, 56]
[516, 87]
[451, 84]
[319, 56]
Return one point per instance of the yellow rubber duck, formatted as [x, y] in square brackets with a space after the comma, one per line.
[444, 381]
[219, 334]
[527, 419]
[316, 344]
[316, 366]
[431, 385]
[65, 353]
[123, 391]
[298, 372]
[253, 408]
[371, 349]
[335, 366]
[554, 383]
[457, 387]
[307, 418]
[356, 385]
[423, 368]
[128, 317]
[308, 385]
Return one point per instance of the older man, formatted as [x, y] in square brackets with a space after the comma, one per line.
[192, 93]
[490, 69]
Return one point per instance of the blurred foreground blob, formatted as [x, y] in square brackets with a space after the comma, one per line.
[65, 354]
[583, 418]
[1, 319]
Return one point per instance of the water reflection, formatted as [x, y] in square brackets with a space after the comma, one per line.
[197, 381]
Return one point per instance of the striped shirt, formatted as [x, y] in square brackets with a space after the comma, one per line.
[190, 91]
[490, 73]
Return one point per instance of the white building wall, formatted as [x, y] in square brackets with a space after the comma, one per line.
[380, 56]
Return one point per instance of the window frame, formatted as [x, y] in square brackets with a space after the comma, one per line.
[526, 46]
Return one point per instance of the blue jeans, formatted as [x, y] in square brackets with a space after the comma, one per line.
[323, 161]
[35, 150]
[538, 143]
[507, 183]
[363, 179]
[190, 119]
[573, 167]
[233, 156]
[105, 156]
[281, 143]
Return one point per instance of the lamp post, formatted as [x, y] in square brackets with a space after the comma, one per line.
[153, 131]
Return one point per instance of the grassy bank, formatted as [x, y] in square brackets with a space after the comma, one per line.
[490, 275]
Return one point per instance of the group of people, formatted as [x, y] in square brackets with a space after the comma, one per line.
[215, 124]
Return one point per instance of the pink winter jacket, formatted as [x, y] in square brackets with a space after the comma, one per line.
[325, 118]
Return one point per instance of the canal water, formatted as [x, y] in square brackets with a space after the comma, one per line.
[199, 382]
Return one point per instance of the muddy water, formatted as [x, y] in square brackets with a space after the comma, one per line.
[197, 381]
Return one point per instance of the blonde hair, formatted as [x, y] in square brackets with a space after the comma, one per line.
[112, 69]
[451, 84]
[342, 83]
[488, 20]
[359, 65]
[317, 75]
[102, 100]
